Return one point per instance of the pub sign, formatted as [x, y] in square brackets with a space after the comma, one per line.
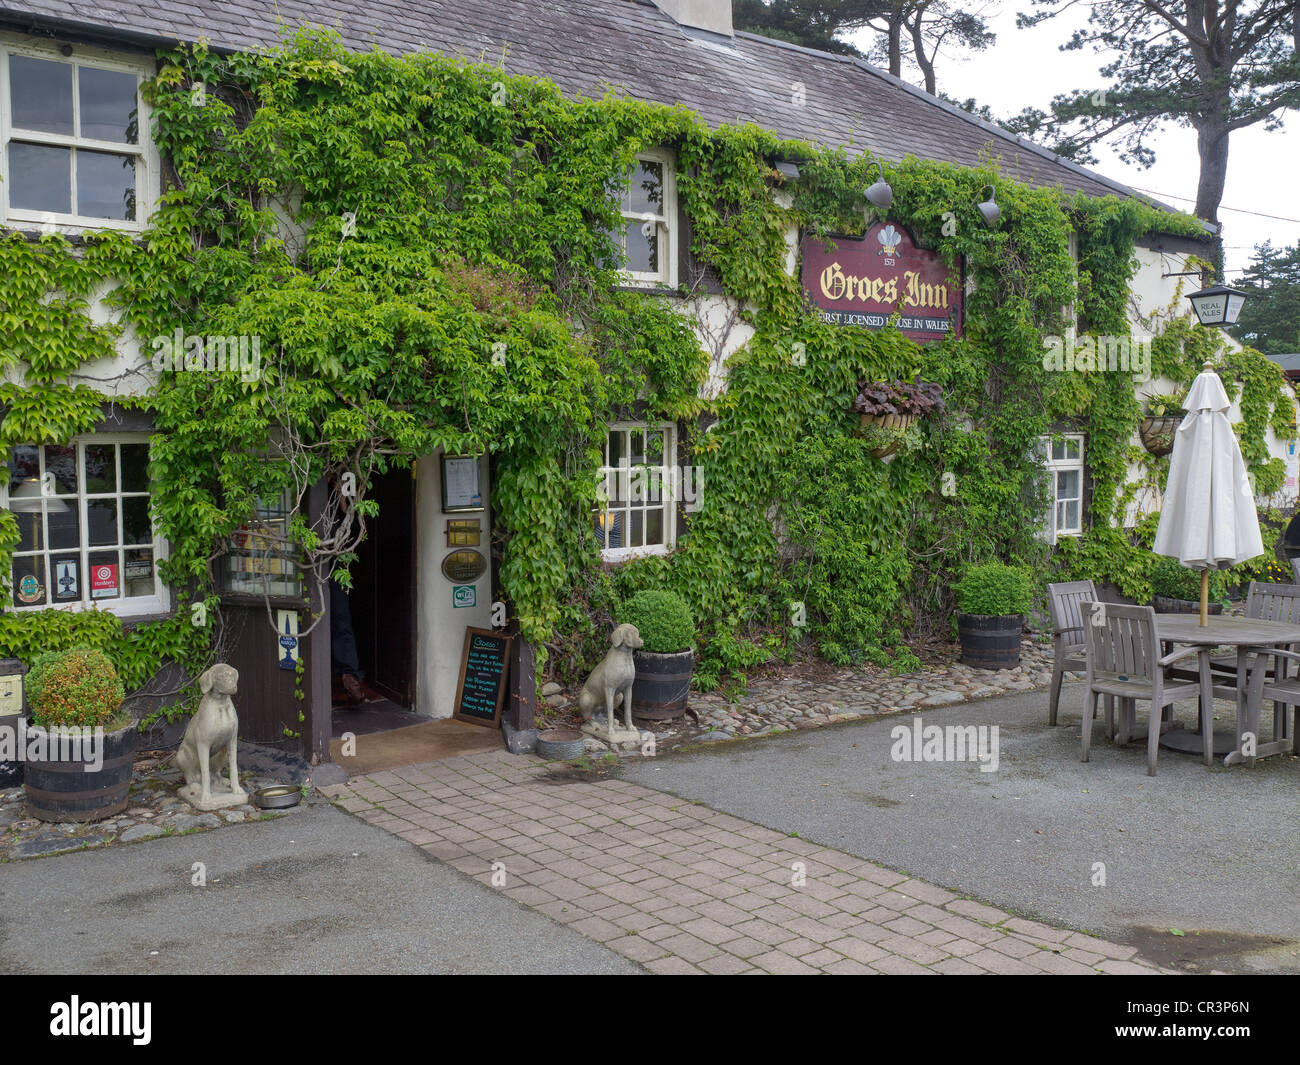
[864, 281]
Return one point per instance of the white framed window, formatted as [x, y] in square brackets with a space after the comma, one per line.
[86, 536]
[1063, 457]
[648, 236]
[637, 511]
[75, 151]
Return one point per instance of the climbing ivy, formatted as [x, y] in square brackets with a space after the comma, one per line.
[421, 247]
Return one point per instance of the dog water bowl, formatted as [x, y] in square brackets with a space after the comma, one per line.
[277, 796]
[559, 744]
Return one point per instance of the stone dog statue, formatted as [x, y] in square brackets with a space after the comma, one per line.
[210, 743]
[610, 683]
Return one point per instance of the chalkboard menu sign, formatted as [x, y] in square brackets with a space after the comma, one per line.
[483, 668]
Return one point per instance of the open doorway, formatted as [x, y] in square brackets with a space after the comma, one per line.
[382, 628]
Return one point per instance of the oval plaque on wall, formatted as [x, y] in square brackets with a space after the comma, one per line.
[464, 566]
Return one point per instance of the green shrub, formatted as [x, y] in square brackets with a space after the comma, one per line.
[995, 590]
[1171, 579]
[662, 618]
[77, 687]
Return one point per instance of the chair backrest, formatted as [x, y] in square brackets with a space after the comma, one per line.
[1122, 640]
[1274, 602]
[1065, 602]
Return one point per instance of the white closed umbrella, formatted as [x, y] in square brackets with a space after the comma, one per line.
[1208, 519]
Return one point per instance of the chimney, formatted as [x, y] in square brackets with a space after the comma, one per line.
[711, 15]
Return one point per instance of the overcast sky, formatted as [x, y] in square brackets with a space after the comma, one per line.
[1026, 68]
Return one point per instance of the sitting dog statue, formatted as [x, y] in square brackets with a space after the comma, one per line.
[610, 682]
[210, 742]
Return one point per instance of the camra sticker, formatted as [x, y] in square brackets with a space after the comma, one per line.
[103, 581]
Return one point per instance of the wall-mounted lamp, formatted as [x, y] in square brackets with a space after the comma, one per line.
[989, 208]
[789, 171]
[1218, 305]
[880, 194]
[66, 50]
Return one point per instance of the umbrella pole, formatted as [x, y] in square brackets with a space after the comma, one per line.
[1205, 597]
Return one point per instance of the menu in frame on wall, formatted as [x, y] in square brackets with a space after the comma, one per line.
[461, 490]
[484, 665]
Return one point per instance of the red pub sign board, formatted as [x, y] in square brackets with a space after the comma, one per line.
[863, 282]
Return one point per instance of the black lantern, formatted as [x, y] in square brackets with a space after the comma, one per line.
[1219, 305]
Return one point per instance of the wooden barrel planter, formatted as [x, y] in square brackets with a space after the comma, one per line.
[73, 790]
[1157, 433]
[1164, 605]
[662, 686]
[989, 642]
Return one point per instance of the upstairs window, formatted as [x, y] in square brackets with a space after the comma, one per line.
[648, 236]
[75, 143]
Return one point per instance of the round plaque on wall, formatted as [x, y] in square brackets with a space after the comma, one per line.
[463, 566]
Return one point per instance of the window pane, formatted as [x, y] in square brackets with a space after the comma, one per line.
[29, 581]
[40, 94]
[136, 528]
[1058, 450]
[1072, 449]
[67, 587]
[135, 467]
[24, 463]
[101, 469]
[642, 251]
[105, 579]
[101, 516]
[40, 178]
[139, 572]
[1071, 521]
[635, 540]
[107, 99]
[62, 462]
[654, 527]
[647, 188]
[64, 524]
[636, 446]
[106, 186]
[1067, 484]
[616, 449]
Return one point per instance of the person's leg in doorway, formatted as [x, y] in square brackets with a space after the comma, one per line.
[343, 643]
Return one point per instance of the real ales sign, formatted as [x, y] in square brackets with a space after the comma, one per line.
[863, 282]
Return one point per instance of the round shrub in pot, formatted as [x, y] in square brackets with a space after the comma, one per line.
[1176, 589]
[81, 744]
[992, 600]
[666, 659]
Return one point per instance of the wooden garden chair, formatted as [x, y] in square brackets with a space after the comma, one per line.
[1124, 662]
[1065, 602]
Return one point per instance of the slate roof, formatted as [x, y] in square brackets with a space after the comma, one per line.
[589, 46]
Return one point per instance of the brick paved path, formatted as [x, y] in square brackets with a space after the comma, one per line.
[682, 888]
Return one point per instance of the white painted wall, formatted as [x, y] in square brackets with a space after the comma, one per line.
[440, 627]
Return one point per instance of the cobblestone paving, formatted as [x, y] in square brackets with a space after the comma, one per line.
[771, 706]
[681, 888]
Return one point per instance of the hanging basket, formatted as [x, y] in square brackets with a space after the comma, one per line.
[900, 422]
[1157, 433]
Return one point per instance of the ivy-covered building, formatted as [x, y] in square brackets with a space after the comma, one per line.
[506, 310]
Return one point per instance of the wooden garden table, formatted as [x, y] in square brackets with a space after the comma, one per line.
[1247, 635]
